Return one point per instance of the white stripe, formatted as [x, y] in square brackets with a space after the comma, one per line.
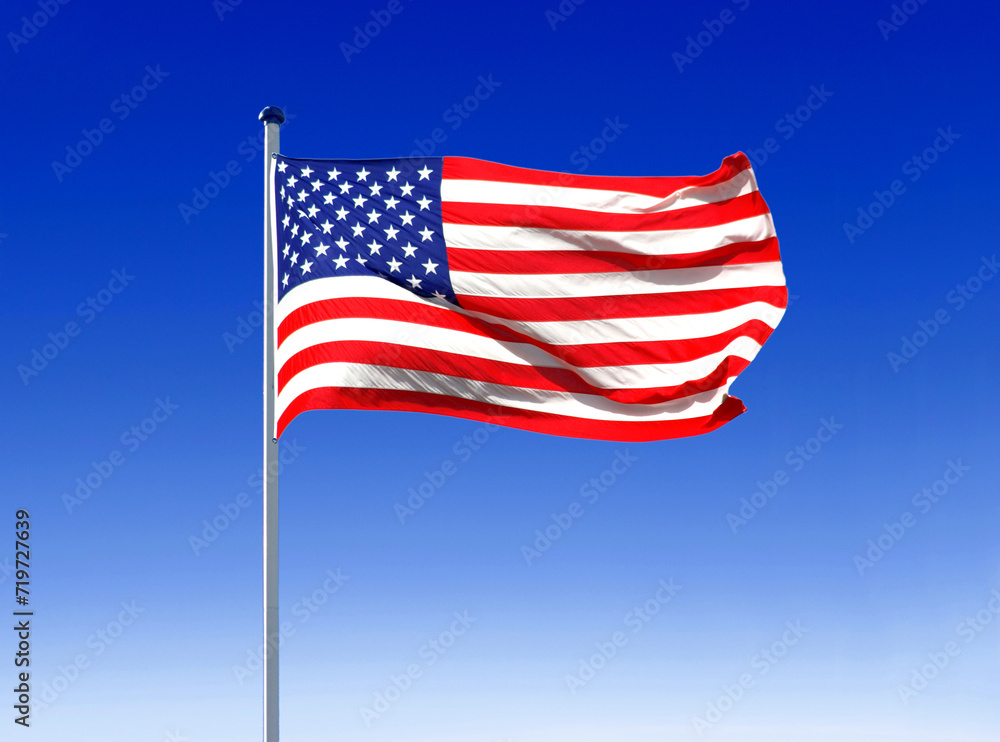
[655, 242]
[401, 333]
[621, 283]
[588, 406]
[592, 199]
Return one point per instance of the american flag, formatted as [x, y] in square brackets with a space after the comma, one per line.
[614, 308]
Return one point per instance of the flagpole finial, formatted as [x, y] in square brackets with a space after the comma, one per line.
[272, 115]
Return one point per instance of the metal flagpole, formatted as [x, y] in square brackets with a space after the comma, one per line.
[273, 118]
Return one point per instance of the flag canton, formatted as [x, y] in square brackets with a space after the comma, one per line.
[362, 218]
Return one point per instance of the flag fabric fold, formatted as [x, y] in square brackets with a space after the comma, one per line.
[613, 308]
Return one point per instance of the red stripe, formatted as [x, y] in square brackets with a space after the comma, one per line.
[573, 427]
[524, 262]
[581, 356]
[667, 304]
[466, 168]
[545, 378]
[557, 217]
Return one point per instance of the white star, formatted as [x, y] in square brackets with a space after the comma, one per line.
[362, 174]
[313, 210]
[282, 192]
[295, 258]
[317, 184]
[302, 195]
[407, 219]
[409, 250]
[374, 247]
[301, 214]
[391, 202]
[407, 189]
[430, 267]
[373, 216]
[425, 234]
[413, 281]
[358, 229]
[391, 174]
[341, 214]
[361, 259]
[306, 266]
[424, 203]
[345, 187]
[394, 265]
[333, 174]
[307, 171]
[321, 249]
[328, 199]
[285, 251]
[376, 190]
[342, 243]
[391, 232]
[284, 280]
[439, 295]
[282, 166]
[360, 201]
[425, 174]
[326, 226]
[287, 220]
[290, 202]
[295, 229]
[292, 180]
[340, 261]
[306, 236]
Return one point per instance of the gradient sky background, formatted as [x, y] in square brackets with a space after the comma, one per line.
[170, 674]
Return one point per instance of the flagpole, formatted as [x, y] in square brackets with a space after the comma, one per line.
[273, 118]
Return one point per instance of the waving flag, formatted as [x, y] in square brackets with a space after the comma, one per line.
[615, 308]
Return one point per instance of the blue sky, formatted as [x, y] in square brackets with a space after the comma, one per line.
[847, 603]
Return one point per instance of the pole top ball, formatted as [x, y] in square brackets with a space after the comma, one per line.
[272, 115]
